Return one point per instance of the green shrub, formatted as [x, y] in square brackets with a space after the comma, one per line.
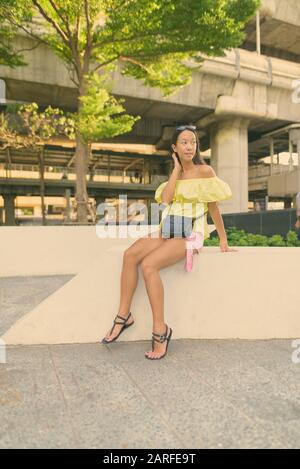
[237, 237]
[292, 239]
[276, 240]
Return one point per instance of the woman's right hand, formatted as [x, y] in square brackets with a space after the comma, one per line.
[177, 165]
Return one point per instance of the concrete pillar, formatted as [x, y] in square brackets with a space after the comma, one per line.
[148, 204]
[99, 200]
[298, 151]
[229, 159]
[295, 138]
[287, 203]
[91, 174]
[68, 205]
[272, 155]
[147, 172]
[9, 208]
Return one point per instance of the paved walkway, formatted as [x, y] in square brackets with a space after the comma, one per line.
[204, 394]
[19, 295]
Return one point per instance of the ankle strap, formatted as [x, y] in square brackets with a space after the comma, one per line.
[123, 319]
[162, 337]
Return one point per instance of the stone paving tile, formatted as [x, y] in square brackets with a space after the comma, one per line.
[257, 377]
[32, 410]
[203, 394]
[187, 386]
[19, 295]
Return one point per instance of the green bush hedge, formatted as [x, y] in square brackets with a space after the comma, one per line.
[237, 237]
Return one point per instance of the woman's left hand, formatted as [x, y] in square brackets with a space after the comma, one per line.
[225, 248]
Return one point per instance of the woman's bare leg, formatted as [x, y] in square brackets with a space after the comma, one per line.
[172, 251]
[129, 277]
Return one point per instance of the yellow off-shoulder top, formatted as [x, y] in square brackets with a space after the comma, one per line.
[191, 197]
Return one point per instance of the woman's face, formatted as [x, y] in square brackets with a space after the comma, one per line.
[186, 145]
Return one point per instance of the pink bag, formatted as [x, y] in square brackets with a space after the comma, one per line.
[194, 241]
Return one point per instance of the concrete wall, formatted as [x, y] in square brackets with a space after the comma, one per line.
[50, 250]
[242, 75]
[286, 11]
[251, 293]
[285, 184]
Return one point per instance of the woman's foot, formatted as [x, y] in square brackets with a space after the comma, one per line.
[159, 349]
[113, 333]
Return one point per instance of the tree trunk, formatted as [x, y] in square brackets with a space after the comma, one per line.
[81, 168]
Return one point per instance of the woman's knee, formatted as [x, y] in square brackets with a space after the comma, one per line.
[130, 255]
[147, 268]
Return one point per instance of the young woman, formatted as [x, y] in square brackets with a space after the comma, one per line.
[191, 180]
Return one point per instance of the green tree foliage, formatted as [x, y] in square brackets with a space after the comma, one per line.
[159, 42]
[151, 38]
[101, 115]
[24, 126]
[9, 55]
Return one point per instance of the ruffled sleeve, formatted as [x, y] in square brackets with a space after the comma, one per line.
[213, 189]
[158, 192]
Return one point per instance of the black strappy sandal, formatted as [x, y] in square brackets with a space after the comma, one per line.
[125, 326]
[162, 339]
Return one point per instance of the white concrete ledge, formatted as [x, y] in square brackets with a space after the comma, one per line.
[49, 250]
[249, 294]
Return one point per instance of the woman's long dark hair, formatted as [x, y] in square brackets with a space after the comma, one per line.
[197, 159]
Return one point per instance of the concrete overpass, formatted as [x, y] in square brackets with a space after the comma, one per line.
[29, 172]
[235, 100]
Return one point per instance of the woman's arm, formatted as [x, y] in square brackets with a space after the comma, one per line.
[214, 210]
[169, 191]
[217, 219]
